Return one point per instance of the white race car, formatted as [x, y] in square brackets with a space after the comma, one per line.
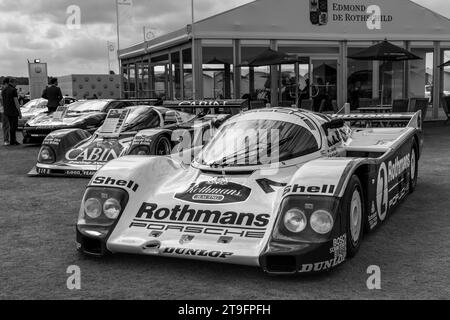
[287, 190]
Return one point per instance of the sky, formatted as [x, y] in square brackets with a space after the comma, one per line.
[31, 29]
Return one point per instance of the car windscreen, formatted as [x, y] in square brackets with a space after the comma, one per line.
[33, 104]
[257, 142]
[87, 106]
[141, 118]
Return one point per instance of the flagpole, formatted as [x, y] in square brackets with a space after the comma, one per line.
[109, 58]
[194, 84]
[118, 46]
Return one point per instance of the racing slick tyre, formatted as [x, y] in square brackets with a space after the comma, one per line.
[414, 167]
[162, 146]
[353, 207]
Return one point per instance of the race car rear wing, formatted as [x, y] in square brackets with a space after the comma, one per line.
[145, 102]
[232, 106]
[359, 120]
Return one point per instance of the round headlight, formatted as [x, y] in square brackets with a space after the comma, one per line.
[321, 222]
[93, 208]
[295, 220]
[112, 208]
[45, 154]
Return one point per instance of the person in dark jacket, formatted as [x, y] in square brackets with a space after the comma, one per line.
[53, 94]
[11, 108]
[5, 122]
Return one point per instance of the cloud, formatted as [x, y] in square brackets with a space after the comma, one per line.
[32, 29]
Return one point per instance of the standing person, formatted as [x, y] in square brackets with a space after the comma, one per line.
[53, 94]
[5, 122]
[11, 108]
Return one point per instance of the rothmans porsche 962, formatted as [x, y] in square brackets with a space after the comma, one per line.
[145, 131]
[287, 190]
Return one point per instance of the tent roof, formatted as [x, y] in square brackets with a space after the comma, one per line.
[291, 20]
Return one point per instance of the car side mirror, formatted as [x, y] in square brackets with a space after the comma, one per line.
[333, 124]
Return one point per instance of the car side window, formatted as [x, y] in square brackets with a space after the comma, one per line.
[334, 137]
[151, 121]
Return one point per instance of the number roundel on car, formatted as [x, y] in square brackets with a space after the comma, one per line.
[382, 192]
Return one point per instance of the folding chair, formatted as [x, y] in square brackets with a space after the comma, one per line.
[307, 105]
[400, 106]
[417, 104]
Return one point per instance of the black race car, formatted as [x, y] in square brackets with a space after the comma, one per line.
[87, 115]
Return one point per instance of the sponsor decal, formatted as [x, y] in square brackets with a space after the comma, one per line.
[91, 155]
[197, 253]
[334, 137]
[157, 229]
[399, 196]
[339, 248]
[78, 173]
[373, 217]
[151, 211]
[203, 103]
[107, 181]
[267, 185]
[298, 189]
[142, 140]
[52, 141]
[321, 266]
[399, 166]
[218, 190]
[382, 192]
[42, 171]
[87, 173]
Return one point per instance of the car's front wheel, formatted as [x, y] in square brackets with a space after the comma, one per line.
[353, 201]
[162, 146]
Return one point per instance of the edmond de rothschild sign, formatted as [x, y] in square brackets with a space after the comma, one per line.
[323, 11]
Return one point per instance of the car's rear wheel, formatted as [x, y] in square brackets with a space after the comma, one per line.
[414, 169]
[353, 208]
[162, 146]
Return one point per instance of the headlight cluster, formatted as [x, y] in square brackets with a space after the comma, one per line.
[306, 219]
[102, 206]
[46, 155]
[140, 151]
[295, 221]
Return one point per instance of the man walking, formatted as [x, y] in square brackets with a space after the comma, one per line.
[11, 108]
[5, 122]
[53, 94]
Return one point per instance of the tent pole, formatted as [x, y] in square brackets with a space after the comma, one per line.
[297, 83]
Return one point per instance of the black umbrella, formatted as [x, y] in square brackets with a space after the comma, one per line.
[384, 51]
[216, 61]
[270, 57]
[446, 64]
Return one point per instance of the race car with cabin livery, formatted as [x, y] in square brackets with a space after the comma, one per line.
[146, 131]
[286, 190]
